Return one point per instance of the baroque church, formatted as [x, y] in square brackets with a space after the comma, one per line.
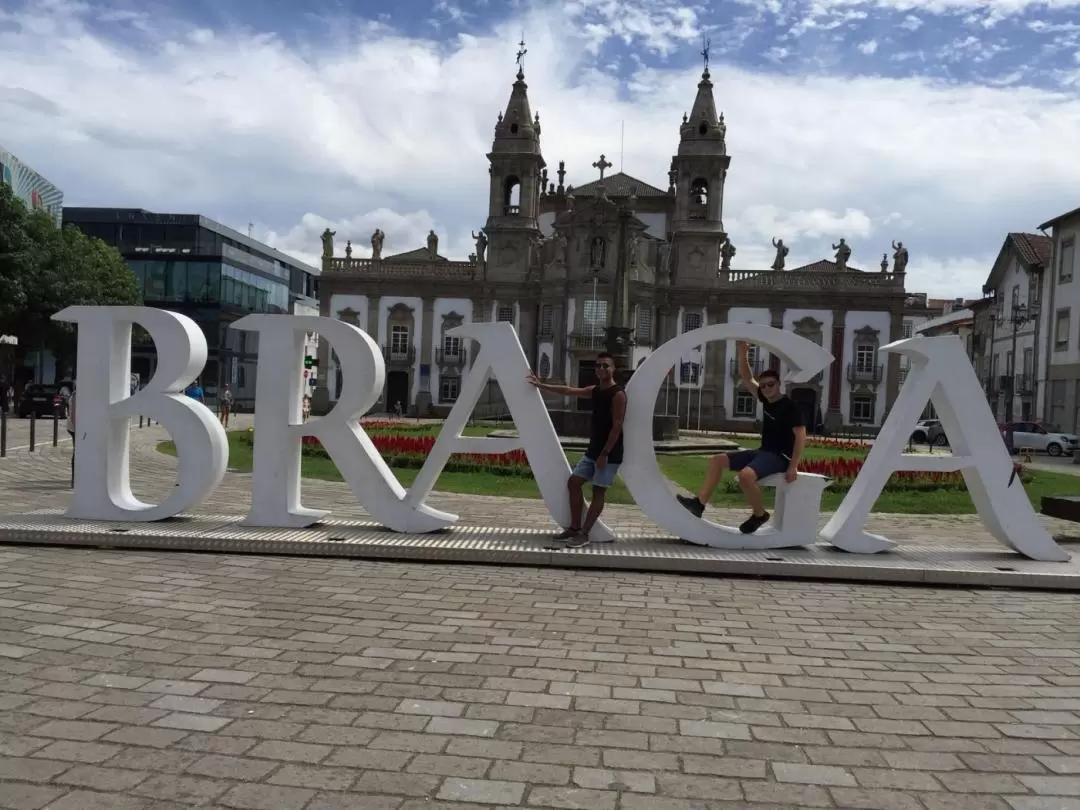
[566, 264]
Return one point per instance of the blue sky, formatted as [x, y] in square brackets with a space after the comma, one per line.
[944, 123]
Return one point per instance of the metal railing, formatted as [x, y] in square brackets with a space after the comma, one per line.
[865, 374]
[395, 355]
[458, 357]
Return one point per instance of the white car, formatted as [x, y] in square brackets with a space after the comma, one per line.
[1042, 438]
[921, 434]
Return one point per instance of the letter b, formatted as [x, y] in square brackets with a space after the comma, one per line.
[104, 409]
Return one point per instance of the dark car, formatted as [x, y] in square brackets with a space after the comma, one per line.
[41, 401]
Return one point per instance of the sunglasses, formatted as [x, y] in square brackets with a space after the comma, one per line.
[603, 365]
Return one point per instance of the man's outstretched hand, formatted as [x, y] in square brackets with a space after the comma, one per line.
[533, 380]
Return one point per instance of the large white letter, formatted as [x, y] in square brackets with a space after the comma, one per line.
[104, 407]
[502, 357]
[279, 427]
[940, 372]
[796, 521]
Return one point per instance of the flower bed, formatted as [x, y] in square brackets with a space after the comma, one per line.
[409, 450]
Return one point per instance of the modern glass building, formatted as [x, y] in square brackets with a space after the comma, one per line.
[215, 275]
[29, 186]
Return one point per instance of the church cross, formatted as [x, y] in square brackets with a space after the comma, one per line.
[602, 164]
[521, 56]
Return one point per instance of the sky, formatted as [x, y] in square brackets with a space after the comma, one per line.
[941, 123]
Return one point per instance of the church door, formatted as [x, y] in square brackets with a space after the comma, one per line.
[397, 390]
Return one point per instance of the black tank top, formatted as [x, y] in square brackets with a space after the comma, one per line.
[602, 422]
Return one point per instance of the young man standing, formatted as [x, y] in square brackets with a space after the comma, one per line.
[225, 402]
[783, 435]
[605, 451]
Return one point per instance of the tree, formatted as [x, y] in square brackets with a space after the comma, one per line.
[44, 269]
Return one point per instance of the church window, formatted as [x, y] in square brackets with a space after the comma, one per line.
[699, 199]
[745, 404]
[862, 408]
[594, 314]
[691, 321]
[449, 389]
[451, 347]
[547, 319]
[865, 358]
[512, 197]
[644, 325]
[399, 340]
[545, 367]
[505, 315]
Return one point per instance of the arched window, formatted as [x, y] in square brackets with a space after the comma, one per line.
[699, 199]
[512, 196]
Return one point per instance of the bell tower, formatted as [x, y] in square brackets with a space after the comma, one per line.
[515, 166]
[698, 173]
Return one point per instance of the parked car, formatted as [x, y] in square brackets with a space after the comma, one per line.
[921, 434]
[41, 401]
[1041, 438]
[935, 435]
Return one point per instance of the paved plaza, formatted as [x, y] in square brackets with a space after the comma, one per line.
[161, 681]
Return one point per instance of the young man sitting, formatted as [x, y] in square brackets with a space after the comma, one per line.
[783, 435]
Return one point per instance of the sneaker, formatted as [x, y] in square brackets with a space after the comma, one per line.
[566, 534]
[692, 505]
[579, 540]
[753, 523]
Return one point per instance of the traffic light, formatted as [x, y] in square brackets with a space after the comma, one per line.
[309, 361]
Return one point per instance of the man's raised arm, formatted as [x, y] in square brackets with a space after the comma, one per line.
[563, 390]
[746, 374]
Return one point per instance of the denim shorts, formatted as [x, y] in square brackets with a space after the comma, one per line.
[761, 462]
[586, 468]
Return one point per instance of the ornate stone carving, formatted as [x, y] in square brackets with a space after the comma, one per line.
[348, 248]
[433, 244]
[481, 245]
[377, 240]
[328, 243]
[900, 257]
[727, 253]
[781, 254]
[349, 315]
[843, 253]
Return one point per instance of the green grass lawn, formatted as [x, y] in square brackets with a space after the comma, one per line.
[686, 471]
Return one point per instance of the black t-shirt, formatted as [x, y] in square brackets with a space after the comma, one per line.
[778, 426]
[603, 420]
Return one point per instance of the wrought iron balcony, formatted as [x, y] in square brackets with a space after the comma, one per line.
[865, 374]
[545, 333]
[756, 367]
[581, 341]
[399, 356]
[458, 357]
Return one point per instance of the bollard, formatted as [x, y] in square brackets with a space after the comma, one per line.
[33, 429]
[56, 426]
[3, 434]
[140, 421]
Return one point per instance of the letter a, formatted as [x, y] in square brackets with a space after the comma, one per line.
[502, 357]
[105, 408]
[941, 373]
[279, 427]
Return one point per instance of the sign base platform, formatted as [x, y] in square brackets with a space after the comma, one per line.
[909, 562]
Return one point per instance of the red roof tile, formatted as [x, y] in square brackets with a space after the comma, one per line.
[1033, 248]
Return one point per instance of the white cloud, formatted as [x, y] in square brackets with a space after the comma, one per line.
[869, 47]
[377, 129]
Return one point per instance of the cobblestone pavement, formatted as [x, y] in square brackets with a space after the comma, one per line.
[41, 480]
[138, 681]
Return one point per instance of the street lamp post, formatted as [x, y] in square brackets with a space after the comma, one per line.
[1019, 315]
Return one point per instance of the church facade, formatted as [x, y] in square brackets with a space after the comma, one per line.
[564, 264]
